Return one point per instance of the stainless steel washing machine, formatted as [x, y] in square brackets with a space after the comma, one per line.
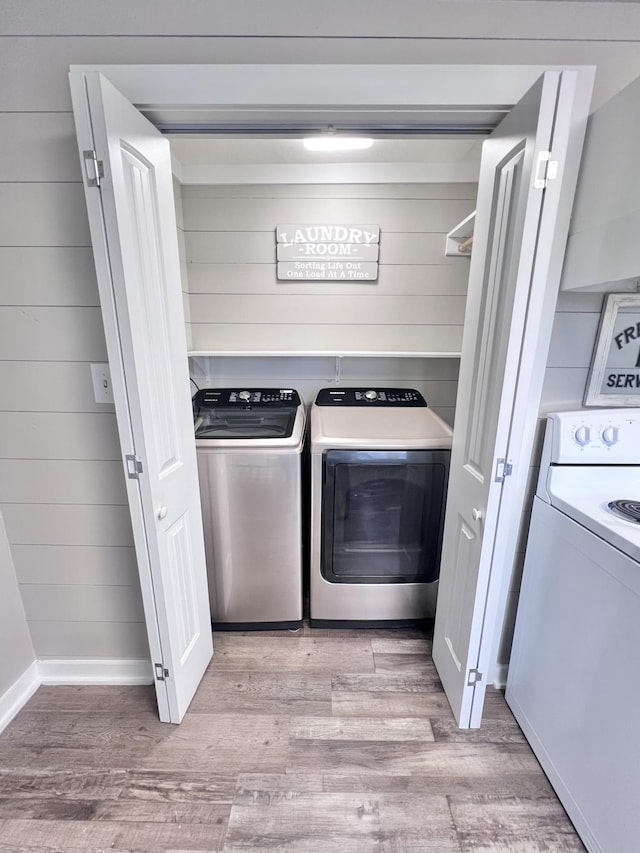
[249, 444]
[379, 471]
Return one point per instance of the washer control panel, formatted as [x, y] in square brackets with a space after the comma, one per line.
[252, 397]
[371, 397]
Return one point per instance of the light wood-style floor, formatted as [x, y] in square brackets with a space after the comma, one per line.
[316, 742]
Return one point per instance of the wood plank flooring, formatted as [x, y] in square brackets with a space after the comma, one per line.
[318, 741]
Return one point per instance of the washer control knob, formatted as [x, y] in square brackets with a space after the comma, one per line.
[244, 395]
[609, 436]
[371, 395]
[582, 436]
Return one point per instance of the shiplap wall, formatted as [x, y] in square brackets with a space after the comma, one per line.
[435, 378]
[49, 321]
[237, 304]
[61, 482]
[15, 640]
[573, 339]
[177, 197]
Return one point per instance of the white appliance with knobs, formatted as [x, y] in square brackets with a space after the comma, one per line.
[572, 682]
[379, 474]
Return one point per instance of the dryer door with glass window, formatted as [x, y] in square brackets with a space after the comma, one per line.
[382, 515]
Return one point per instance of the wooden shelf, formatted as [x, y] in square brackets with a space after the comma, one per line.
[319, 354]
[459, 239]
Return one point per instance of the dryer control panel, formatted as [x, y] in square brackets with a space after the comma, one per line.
[371, 397]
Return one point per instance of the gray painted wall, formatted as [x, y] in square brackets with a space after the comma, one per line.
[15, 640]
[62, 489]
[435, 378]
[572, 342]
[237, 303]
[177, 197]
[67, 522]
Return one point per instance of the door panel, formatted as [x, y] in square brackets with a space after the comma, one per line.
[180, 580]
[497, 302]
[141, 243]
[510, 271]
[463, 555]
[134, 238]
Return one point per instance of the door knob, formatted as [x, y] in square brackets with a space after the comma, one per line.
[476, 514]
[162, 512]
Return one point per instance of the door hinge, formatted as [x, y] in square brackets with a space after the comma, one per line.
[134, 466]
[94, 168]
[546, 170]
[161, 673]
[474, 677]
[504, 469]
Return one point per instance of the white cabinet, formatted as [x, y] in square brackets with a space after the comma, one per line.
[603, 250]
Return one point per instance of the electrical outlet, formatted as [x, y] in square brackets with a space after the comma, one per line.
[101, 379]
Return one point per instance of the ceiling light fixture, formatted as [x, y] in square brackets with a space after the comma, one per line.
[331, 142]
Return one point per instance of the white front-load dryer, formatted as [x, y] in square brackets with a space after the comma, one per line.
[379, 471]
[249, 445]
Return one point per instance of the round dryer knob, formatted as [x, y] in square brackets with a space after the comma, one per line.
[244, 395]
[609, 435]
[370, 396]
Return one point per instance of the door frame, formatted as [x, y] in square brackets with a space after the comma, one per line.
[380, 96]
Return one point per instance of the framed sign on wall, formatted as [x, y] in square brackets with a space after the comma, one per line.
[327, 252]
[614, 378]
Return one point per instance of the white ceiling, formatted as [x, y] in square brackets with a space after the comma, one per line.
[217, 159]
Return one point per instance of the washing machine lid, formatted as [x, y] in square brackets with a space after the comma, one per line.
[382, 428]
[252, 414]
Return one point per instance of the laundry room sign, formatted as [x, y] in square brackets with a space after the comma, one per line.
[327, 252]
[614, 379]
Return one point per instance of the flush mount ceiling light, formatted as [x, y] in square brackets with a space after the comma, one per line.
[331, 142]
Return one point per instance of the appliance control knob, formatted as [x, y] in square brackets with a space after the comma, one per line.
[582, 436]
[609, 436]
[244, 395]
[371, 395]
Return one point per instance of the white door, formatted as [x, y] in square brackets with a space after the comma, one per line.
[521, 226]
[134, 237]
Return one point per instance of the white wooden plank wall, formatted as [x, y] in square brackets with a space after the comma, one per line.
[237, 304]
[48, 290]
[435, 378]
[62, 488]
[572, 342]
[15, 639]
[177, 197]
[38, 46]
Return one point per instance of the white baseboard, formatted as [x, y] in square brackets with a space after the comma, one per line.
[100, 671]
[18, 694]
[500, 675]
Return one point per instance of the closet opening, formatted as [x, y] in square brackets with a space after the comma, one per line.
[257, 320]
